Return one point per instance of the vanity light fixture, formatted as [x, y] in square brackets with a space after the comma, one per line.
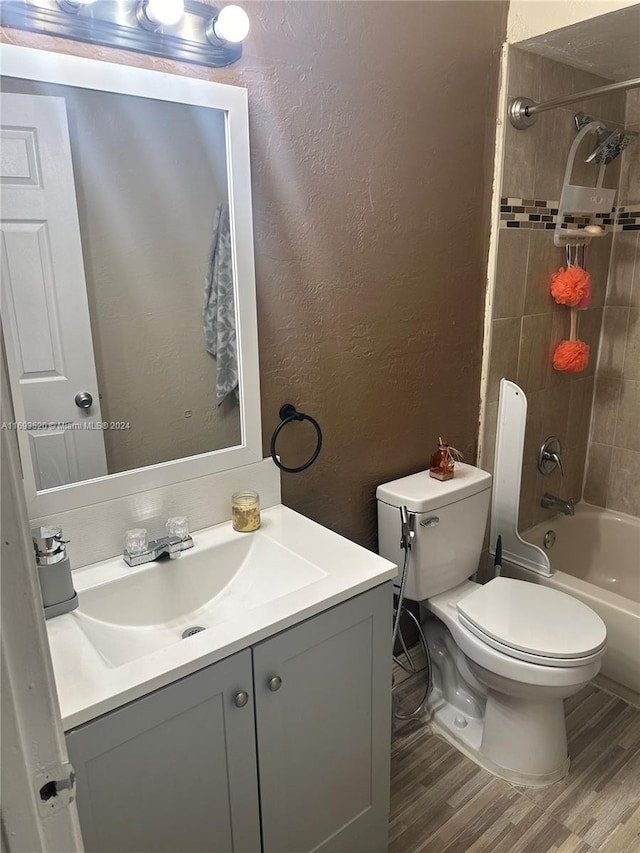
[186, 30]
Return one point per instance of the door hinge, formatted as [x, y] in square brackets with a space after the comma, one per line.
[55, 787]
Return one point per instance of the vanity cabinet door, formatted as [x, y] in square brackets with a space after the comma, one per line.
[323, 718]
[174, 771]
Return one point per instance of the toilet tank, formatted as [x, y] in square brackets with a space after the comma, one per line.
[445, 553]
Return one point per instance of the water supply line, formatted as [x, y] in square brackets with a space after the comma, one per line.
[408, 532]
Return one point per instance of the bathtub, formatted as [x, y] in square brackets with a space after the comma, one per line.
[596, 558]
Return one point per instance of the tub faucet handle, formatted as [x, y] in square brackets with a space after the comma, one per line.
[556, 459]
[550, 456]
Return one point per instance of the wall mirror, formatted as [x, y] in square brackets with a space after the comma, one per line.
[128, 285]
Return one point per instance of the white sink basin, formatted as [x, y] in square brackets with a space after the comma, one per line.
[146, 608]
[125, 639]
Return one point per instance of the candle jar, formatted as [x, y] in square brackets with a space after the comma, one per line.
[245, 511]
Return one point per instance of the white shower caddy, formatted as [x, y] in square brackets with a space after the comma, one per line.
[584, 201]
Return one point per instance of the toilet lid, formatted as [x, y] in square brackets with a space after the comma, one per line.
[528, 617]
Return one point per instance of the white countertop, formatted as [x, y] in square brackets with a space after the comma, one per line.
[88, 685]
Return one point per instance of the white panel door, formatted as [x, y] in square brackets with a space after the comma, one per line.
[45, 311]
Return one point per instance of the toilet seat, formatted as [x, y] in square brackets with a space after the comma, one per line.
[533, 623]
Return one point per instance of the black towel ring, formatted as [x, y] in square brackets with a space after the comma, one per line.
[288, 413]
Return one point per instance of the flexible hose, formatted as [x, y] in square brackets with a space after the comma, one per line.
[397, 634]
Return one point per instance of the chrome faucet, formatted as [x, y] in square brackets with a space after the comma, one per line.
[552, 502]
[138, 550]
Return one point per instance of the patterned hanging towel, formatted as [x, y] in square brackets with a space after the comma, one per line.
[219, 312]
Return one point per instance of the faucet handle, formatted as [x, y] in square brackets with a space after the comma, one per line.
[178, 526]
[135, 541]
[550, 456]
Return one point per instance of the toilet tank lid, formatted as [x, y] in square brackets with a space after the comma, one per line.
[422, 493]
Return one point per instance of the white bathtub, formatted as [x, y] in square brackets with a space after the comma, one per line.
[596, 558]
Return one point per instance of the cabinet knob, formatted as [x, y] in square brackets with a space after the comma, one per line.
[275, 683]
[241, 699]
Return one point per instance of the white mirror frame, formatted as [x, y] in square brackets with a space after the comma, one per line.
[31, 64]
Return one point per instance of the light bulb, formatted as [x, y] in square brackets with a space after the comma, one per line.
[164, 12]
[232, 24]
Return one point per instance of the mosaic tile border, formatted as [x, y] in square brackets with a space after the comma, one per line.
[542, 214]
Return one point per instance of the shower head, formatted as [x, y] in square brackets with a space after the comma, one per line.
[609, 143]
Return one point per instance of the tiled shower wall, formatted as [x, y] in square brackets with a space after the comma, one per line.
[613, 472]
[526, 324]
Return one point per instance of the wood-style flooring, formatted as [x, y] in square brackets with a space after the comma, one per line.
[441, 801]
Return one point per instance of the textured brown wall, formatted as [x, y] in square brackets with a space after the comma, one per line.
[372, 127]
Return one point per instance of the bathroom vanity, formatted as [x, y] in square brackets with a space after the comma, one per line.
[267, 731]
[294, 730]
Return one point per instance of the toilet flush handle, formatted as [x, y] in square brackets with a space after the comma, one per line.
[431, 521]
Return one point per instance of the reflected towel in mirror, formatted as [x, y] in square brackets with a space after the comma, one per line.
[219, 315]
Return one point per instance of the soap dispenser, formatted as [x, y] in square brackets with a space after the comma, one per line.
[54, 571]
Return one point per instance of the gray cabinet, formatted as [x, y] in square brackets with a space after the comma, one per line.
[324, 734]
[177, 770]
[174, 771]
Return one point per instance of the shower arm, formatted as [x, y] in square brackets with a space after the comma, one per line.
[522, 111]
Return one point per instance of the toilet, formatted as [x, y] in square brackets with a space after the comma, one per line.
[505, 654]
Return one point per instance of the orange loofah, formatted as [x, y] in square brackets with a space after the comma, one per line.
[571, 356]
[569, 286]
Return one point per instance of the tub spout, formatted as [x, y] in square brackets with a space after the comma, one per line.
[552, 502]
